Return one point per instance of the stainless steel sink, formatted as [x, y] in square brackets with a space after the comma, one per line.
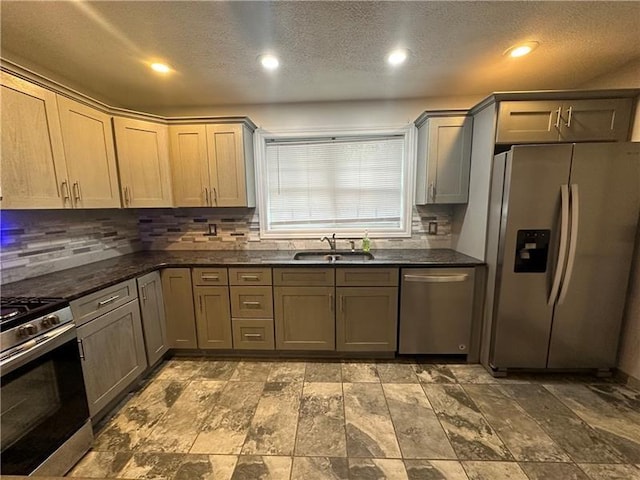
[332, 256]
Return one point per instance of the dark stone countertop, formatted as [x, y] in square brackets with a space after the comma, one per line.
[76, 282]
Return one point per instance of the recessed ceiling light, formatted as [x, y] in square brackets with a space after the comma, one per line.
[397, 57]
[270, 62]
[521, 49]
[160, 68]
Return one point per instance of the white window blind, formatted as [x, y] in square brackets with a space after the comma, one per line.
[335, 184]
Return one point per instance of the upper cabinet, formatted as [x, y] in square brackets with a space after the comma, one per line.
[33, 168]
[212, 165]
[143, 158]
[56, 152]
[91, 161]
[444, 159]
[542, 121]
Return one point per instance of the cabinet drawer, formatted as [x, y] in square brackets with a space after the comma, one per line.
[308, 277]
[251, 302]
[367, 277]
[209, 276]
[249, 276]
[95, 304]
[255, 334]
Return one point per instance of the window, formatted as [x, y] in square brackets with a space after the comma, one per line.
[347, 182]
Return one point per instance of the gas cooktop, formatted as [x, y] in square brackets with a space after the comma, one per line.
[15, 311]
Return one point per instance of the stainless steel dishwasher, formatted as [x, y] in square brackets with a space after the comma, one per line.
[436, 309]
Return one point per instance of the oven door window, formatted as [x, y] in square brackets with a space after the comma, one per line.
[43, 404]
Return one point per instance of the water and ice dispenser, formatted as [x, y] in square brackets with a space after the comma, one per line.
[532, 249]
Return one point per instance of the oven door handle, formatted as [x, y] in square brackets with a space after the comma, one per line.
[22, 354]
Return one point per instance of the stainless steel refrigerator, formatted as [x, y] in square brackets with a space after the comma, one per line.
[562, 225]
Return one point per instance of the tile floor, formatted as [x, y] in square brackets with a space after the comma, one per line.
[202, 418]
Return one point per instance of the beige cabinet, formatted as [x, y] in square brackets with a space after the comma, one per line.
[213, 317]
[542, 121]
[33, 168]
[304, 308]
[90, 155]
[143, 158]
[366, 309]
[179, 312]
[153, 318]
[444, 160]
[366, 319]
[112, 352]
[304, 318]
[212, 165]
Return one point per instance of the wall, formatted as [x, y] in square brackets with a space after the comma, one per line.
[629, 354]
[356, 114]
[38, 242]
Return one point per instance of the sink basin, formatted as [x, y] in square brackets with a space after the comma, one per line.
[337, 255]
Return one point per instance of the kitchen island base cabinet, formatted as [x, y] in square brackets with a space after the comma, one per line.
[213, 317]
[178, 302]
[366, 319]
[113, 356]
[304, 318]
[153, 319]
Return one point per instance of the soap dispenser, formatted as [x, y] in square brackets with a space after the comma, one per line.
[366, 243]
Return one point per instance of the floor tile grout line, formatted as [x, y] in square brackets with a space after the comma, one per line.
[439, 422]
[295, 436]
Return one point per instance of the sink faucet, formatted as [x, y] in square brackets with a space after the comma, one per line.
[332, 241]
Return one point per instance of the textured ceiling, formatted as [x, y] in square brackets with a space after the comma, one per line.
[328, 50]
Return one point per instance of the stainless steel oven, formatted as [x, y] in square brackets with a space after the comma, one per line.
[45, 427]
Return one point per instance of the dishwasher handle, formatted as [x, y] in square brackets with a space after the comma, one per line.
[460, 277]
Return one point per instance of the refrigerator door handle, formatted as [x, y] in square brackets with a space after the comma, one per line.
[562, 251]
[575, 214]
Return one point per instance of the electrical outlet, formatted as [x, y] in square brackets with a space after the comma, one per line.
[213, 230]
[433, 228]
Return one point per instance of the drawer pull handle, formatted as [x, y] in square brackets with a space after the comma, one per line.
[81, 348]
[437, 278]
[251, 303]
[108, 300]
[250, 277]
[210, 277]
[252, 335]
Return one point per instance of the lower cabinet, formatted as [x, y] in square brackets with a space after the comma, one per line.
[113, 354]
[366, 319]
[178, 302]
[153, 318]
[213, 317]
[253, 333]
[304, 318]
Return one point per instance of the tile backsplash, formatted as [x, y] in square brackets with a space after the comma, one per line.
[239, 229]
[35, 242]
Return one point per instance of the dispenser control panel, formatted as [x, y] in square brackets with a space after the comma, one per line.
[532, 250]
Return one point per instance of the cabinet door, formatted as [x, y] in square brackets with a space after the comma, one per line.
[143, 158]
[227, 165]
[597, 119]
[178, 304]
[113, 351]
[529, 121]
[34, 172]
[153, 319]
[449, 159]
[366, 319]
[90, 155]
[190, 166]
[304, 318]
[213, 317]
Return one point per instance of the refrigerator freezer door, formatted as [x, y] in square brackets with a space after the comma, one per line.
[586, 324]
[531, 202]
